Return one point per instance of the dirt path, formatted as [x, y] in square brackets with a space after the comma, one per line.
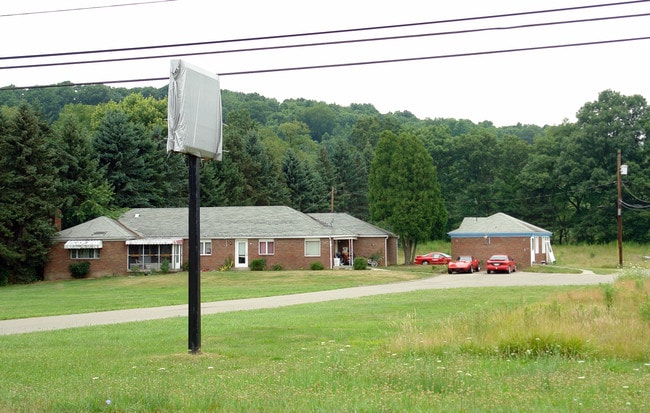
[28, 325]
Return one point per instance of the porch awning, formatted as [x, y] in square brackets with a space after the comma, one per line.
[155, 241]
[83, 244]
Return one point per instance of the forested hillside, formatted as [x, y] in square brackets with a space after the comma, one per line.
[95, 150]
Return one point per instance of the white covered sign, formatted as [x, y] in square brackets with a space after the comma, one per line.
[194, 111]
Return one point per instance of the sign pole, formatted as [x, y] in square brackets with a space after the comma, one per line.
[194, 274]
[194, 128]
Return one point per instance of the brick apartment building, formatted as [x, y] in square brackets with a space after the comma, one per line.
[142, 239]
[500, 233]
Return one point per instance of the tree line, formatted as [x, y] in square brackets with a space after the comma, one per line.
[87, 151]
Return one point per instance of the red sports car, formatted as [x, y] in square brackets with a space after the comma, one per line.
[501, 262]
[433, 258]
[464, 263]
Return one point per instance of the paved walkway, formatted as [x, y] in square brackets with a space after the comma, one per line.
[28, 325]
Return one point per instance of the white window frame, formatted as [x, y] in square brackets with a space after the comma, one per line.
[309, 242]
[206, 246]
[266, 243]
[96, 254]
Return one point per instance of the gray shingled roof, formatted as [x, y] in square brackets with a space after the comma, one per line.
[497, 225]
[102, 228]
[344, 224]
[225, 222]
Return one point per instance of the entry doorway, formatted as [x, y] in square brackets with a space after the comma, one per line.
[241, 253]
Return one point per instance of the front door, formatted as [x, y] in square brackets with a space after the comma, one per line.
[241, 253]
[177, 256]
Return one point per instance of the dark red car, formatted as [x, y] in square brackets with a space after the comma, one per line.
[501, 262]
[432, 258]
[464, 263]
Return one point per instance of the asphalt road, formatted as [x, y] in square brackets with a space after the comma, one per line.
[35, 324]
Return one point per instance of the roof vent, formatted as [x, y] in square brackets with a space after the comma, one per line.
[137, 215]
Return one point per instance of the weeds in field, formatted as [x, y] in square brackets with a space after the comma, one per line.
[580, 324]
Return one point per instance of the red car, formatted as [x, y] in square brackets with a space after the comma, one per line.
[433, 258]
[464, 263]
[501, 262]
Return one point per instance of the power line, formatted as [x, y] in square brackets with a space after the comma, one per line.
[108, 6]
[634, 196]
[329, 43]
[326, 32]
[349, 64]
[528, 198]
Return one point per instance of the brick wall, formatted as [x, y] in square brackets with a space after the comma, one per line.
[112, 261]
[482, 248]
[289, 254]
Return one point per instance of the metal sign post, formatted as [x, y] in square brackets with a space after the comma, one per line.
[194, 259]
[194, 124]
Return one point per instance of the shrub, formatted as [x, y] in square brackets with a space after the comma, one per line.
[360, 263]
[164, 266]
[80, 269]
[277, 267]
[316, 266]
[258, 264]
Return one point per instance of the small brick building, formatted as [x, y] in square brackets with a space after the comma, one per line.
[500, 233]
[143, 239]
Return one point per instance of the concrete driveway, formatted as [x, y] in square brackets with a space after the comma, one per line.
[481, 279]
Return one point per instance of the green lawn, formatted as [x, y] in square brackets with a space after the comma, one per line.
[533, 349]
[114, 293]
[474, 349]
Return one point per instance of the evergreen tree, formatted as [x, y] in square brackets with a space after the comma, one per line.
[350, 179]
[86, 195]
[29, 196]
[307, 193]
[263, 184]
[404, 192]
[121, 152]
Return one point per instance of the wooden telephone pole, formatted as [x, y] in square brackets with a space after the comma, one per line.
[619, 210]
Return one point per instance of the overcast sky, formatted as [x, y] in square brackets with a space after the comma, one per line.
[532, 87]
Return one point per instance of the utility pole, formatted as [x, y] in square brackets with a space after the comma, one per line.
[619, 205]
[332, 200]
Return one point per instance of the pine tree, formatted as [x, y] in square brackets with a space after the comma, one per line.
[86, 194]
[121, 152]
[307, 193]
[29, 196]
[404, 192]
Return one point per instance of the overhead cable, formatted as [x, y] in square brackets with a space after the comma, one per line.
[348, 64]
[108, 6]
[320, 44]
[327, 32]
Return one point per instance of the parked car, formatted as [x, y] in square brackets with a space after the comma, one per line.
[433, 258]
[464, 263]
[501, 262]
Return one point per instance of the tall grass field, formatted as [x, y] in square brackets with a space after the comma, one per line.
[514, 349]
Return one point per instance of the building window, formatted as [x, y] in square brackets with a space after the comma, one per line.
[149, 257]
[206, 247]
[312, 248]
[267, 247]
[84, 253]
